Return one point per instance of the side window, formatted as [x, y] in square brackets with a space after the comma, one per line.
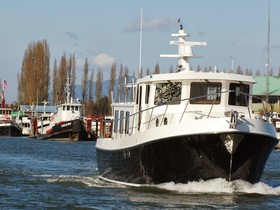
[127, 122]
[121, 121]
[168, 93]
[140, 96]
[238, 96]
[205, 92]
[147, 95]
[116, 121]
[137, 94]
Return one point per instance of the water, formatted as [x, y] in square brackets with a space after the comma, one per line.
[36, 174]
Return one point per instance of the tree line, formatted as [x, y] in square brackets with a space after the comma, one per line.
[35, 80]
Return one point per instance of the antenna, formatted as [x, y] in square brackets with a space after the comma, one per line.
[184, 49]
[140, 49]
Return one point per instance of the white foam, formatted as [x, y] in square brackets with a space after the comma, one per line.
[93, 181]
[221, 186]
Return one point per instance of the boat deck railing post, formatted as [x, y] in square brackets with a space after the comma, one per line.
[164, 115]
[184, 112]
[150, 118]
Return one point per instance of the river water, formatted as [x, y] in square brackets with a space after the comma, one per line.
[36, 174]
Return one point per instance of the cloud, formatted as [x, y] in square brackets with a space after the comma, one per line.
[72, 35]
[150, 24]
[103, 60]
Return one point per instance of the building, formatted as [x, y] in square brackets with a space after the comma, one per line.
[272, 92]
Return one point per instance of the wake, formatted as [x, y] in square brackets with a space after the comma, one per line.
[213, 186]
[221, 186]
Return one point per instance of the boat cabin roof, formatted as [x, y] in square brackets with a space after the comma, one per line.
[192, 75]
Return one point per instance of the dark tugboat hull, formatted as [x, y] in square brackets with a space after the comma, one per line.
[70, 130]
[10, 130]
[187, 158]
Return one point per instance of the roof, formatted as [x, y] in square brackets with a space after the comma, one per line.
[192, 75]
[259, 88]
[35, 108]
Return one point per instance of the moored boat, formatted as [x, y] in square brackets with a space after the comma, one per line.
[187, 126]
[67, 123]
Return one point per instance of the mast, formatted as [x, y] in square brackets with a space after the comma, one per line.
[68, 91]
[184, 49]
[140, 45]
[267, 65]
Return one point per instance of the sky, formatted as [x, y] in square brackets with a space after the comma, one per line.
[107, 31]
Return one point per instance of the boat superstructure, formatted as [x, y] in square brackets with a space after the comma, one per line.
[187, 126]
[8, 127]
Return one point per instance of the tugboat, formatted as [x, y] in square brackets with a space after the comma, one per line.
[67, 123]
[7, 126]
[186, 126]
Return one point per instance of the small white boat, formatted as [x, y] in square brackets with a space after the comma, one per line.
[186, 126]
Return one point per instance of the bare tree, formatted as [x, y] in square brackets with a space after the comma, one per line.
[90, 91]
[98, 90]
[90, 102]
[55, 84]
[121, 84]
[62, 79]
[34, 79]
[72, 72]
[157, 70]
[239, 70]
[126, 76]
[111, 86]
[147, 72]
[85, 81]
[99, 80]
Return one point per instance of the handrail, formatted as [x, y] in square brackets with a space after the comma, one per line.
[141, 112]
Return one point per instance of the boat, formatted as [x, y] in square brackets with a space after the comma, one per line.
[8, 127]
[25, 124]
[186, 126]
[67, 123]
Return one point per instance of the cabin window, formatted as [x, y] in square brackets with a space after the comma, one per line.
[147, 95]
[205, 93]
[116, 121]
[140, 96]
[239, 96]
[127, 122]
[137, 94]
[168, 93]
[121, 121]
